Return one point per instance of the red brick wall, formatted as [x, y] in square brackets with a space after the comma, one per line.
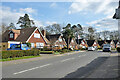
[34, 40]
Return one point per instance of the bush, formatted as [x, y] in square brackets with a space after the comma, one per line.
[19, 53]
[46, 52]
[28, 44]
[64, 50]
[118, 49]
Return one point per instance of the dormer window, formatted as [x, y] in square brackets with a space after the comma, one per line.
[60, 39]
[11, 35]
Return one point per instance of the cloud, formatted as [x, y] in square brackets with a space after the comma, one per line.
[106, 7]
[27, 10]
[9, 15]
[53, 5]
[50, 23]
[105, 24]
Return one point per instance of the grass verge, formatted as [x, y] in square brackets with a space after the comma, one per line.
[16, 58]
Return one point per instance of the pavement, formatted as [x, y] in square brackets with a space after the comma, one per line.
[89, 64]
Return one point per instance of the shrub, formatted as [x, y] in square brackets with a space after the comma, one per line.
[28, 44]
[118, 49]
[19, 53]
[46, 52]
[64, 50]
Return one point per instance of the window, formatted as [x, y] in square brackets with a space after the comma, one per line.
[39, 45]
[60, 39]
[11, 35]
[32, 45]
[36, 35]
[82, 42]
[72, 41]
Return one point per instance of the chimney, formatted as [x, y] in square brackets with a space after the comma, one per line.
[44, 33]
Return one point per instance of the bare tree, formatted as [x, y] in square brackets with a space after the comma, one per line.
[91, 31]
[54, 28]
[3, 27]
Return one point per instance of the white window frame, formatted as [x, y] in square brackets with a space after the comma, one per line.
[11, 35]
[32, 45]
[36, 35]
[39, 45]
[60, 39]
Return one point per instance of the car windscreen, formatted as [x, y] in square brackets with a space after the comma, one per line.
[106, 45]
[24, 46]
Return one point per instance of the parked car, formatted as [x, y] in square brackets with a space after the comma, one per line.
[106, 47]
[92, 48]
[19, 47]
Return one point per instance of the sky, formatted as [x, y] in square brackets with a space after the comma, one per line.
[96, 14]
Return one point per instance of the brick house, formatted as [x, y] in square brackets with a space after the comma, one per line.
[57, 41]
[92, 43]
[115, 43]
[81, 43]
[32, 35]
[73, 44]
[100, 43]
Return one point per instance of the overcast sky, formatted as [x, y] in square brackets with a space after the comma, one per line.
[97, 14]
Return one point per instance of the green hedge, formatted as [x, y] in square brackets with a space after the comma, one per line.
[19, 53]
[46, 52]
[118, 49]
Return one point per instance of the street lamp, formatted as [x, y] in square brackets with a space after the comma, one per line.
[117, 16]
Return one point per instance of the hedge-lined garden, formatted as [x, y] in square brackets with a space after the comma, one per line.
[19, 53]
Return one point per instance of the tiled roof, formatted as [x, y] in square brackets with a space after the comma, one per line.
[53, 37]
[90, 42]
[25, 34]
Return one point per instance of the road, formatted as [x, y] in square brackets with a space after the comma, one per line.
[78, 65]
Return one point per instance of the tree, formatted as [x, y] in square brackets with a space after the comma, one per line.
[3, 27]
[25, 21]
[68, 34]
[54, 28]
[11, 26]
[91, 31]
[105, 34]
[77, 29]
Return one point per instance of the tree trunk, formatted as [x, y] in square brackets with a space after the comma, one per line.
[68, 43]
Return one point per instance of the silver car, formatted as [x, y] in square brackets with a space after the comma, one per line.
[106, 47]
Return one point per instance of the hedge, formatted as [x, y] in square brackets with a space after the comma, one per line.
[46, 52]
[19, 53]
[118, 49]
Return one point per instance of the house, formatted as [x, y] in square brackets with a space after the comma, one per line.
[26, 35]
[81, 43]
[100, 43]
[73, 44]
[56, 41]
[108, 41]
[92, 43]
[118, 44]
[115, 43]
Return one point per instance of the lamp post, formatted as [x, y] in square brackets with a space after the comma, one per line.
[117, 16]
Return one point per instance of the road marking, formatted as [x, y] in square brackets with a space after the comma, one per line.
[82, 55]
[31, 69]
[67, 59]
